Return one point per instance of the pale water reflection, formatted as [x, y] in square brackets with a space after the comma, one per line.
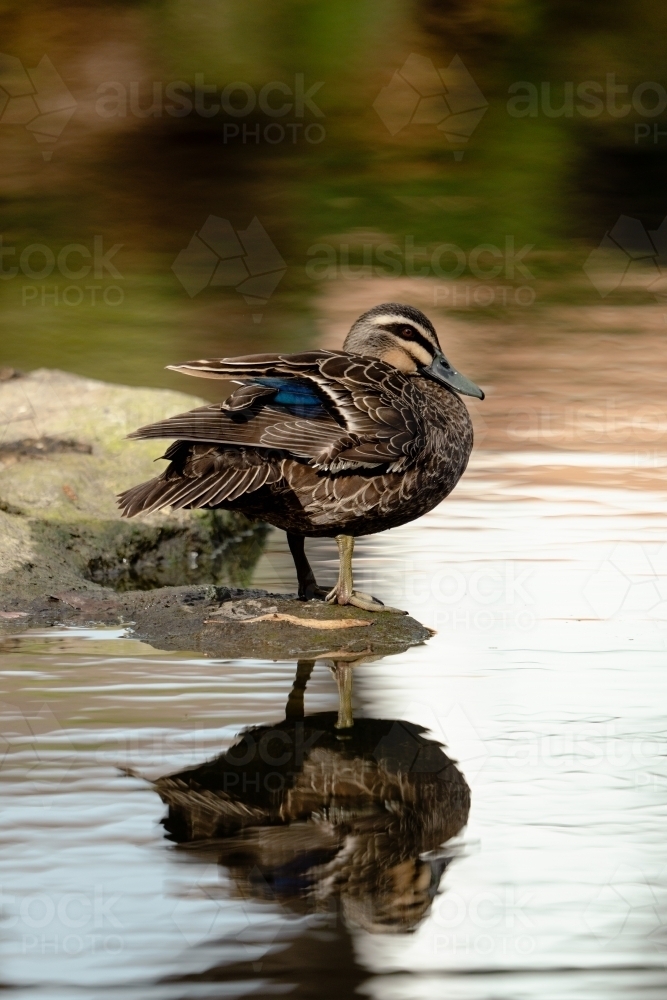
[546, 683]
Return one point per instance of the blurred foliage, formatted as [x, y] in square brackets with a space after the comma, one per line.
[557, 183]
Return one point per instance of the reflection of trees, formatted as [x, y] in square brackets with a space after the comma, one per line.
[312, 815]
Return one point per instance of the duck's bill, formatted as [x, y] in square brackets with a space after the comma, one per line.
[441, 370]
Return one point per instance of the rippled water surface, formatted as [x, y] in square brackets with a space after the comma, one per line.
[545, 682]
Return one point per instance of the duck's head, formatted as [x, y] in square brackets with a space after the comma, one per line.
[404, 337]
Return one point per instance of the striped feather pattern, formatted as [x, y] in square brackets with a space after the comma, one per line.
[368, 399]
[358, 446]
[207, 478]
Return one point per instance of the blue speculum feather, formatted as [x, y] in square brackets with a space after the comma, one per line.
[299, 398]
[291, 392]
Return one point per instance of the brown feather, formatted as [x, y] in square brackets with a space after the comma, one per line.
[383, 448]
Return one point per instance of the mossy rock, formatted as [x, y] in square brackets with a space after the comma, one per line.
[63, 458]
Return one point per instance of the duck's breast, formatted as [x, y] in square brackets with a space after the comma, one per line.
[367, 502]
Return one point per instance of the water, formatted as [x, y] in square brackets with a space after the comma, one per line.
[543, 188]
[544, 575]
[544, 681]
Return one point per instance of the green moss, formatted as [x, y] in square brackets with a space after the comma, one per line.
[61, 524]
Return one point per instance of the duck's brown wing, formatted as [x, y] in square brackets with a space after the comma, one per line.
[257, 426]
[334, 410]
[364, 411]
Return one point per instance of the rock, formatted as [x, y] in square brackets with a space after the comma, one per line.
[63, 459]
[186, 618]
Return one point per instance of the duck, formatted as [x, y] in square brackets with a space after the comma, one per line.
[323, 443]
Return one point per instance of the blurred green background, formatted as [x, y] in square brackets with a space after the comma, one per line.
[149, 181]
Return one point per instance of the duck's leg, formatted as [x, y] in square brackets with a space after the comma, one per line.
[344, 592]
[294, 708]
[343, 674]
[308, 589]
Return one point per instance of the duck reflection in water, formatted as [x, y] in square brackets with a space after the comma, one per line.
[312, 815]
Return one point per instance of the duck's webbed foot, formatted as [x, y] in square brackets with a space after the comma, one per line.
[370, 603]
[344, 593]
[358, 599]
